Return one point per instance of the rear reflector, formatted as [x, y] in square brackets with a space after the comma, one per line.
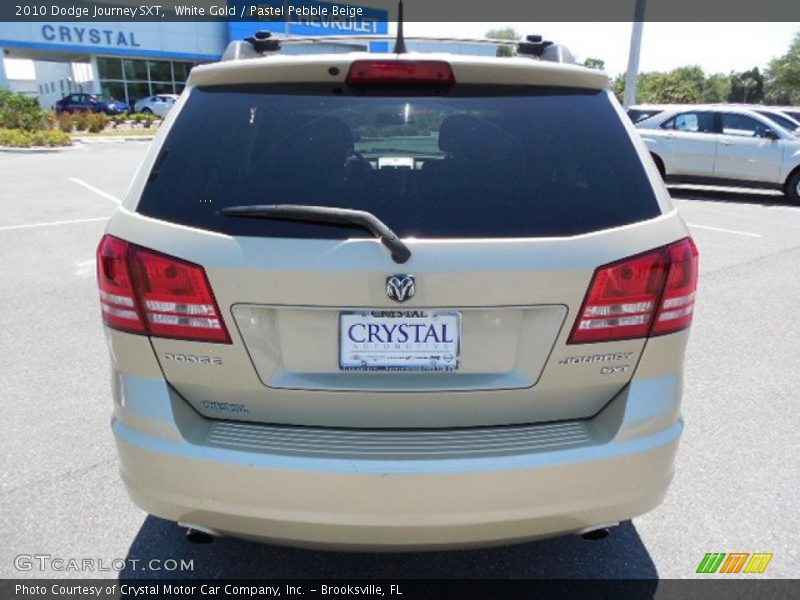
[397, 72]
[648, 294]
[143, 291]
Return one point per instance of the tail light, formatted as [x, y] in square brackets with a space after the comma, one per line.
[677, 303]
[389, 72]
[142, 291]
[645, 295]
[117, 298]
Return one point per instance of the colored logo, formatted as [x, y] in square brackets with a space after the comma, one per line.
[735, 562]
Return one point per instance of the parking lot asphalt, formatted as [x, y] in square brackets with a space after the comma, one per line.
[737, 479]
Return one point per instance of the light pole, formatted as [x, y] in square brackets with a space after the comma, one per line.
[632, 76]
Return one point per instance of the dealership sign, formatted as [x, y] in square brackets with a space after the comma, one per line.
[206, 40]
[67, 34]
[304, 17]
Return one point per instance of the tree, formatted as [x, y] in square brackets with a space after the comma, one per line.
[747, 87]
[683, 85]
[691, 79]
[595, 63]
[669, 88]
[782, 79]
[716, 88]
[618, 86]
[507, 33]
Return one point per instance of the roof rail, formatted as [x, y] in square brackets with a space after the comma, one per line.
[262, 43]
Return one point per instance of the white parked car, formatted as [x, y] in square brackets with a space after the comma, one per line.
[791, 111]
[774, 114]
[158, 105]
[724, 145]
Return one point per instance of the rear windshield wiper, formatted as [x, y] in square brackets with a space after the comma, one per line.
[329, 215]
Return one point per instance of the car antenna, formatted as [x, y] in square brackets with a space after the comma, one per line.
[400, 42]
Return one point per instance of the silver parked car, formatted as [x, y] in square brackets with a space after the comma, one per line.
[396, 301]
[789, 111]
[159, 104]
[723, 144]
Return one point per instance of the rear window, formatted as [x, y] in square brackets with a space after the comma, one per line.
[475, 162]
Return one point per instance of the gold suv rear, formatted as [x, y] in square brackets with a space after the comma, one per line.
[396, 301]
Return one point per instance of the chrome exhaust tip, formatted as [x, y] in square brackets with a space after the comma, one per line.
[597, 532]
[197, 534]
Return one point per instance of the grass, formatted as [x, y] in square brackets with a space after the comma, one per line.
[117, 133]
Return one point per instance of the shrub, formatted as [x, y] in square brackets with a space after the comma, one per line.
[15, 138]
[51, 119]
[97, 122]
[19, 111]
[20, 138]
[52, 137]
[82, 120]
[66, 122]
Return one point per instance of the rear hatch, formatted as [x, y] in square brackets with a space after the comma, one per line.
[507, 196]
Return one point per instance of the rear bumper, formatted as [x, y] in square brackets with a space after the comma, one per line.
[498, 502]
[479, 486]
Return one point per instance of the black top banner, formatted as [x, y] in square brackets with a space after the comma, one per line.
[414, 10]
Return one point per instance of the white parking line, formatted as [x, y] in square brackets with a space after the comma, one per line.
[52, 223]
[722, 229]
[97, 191]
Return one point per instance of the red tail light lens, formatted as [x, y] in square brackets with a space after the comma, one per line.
[176, 297]
[117, 298]
[389, 72]
[677, 304]
[648, 294]
[171, 297]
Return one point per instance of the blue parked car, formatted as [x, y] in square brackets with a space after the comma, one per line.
[91, 103]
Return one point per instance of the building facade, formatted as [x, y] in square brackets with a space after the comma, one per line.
[124, 60]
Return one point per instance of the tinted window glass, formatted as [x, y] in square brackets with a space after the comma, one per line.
[137, 91]
[109, 68]
[476, 162]
[135, 69]
[181, 70]
[639, 115]
[160, 70]
[778, 118]
[691, 122]
[113, 89]
[741, 125]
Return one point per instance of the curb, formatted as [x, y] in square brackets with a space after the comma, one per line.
[113, 139]
[37, 149]
[77, 142]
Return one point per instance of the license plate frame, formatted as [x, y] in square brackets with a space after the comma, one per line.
[395, 356]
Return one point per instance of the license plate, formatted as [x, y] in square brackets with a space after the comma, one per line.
[396, 340]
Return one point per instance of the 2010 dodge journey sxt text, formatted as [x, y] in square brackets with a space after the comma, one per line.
[396, 301]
